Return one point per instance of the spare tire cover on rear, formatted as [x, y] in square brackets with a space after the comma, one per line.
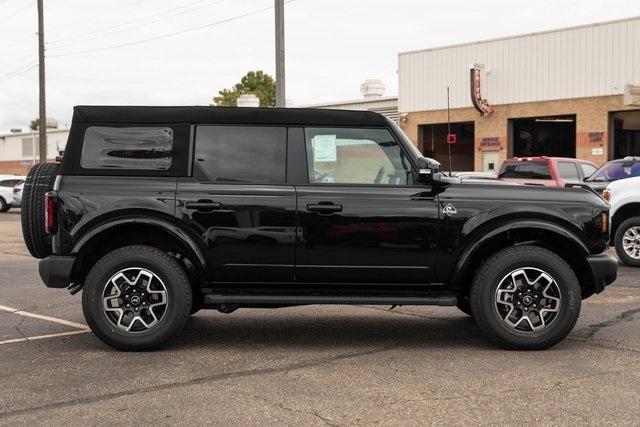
[40, 180]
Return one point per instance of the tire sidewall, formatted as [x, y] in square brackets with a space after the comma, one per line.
[97, 319]
[622, 228]
[484, 300]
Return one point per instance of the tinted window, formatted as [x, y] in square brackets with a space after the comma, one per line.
[10, 182]
[355, 156]
[138, 148]
[613, 171]
[568, 171]
[240, 154]
[587, 170]
[525, 170]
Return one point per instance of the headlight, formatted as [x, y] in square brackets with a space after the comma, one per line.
[606, 195]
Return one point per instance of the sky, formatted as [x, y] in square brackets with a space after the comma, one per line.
[182, 52]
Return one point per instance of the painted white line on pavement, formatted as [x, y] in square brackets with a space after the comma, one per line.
[42, 317]
[42, 337]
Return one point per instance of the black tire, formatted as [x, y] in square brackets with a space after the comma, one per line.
[4, 206]
[39, 181]
[464, 305]
[622, 229]
[178, 297]
[499, 266]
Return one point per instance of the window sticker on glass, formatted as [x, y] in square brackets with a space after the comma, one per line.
[324, 148]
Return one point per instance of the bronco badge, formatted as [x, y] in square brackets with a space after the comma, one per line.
[449, 210]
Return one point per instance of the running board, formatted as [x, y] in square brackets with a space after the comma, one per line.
[288, 299]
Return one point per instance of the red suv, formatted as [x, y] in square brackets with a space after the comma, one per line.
[546, 171]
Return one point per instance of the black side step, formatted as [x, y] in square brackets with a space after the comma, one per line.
[289, 299]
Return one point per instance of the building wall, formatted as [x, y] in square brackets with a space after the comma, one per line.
[588, 61]
[387, 106]
[592, 116]
[17, 158]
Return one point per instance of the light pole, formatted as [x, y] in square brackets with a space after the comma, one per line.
[42, 122]
[280, 79]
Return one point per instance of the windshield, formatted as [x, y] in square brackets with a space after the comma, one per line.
[525, 170]
[614, 171]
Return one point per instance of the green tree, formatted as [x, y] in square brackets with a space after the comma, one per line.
[258, 83]
[34, 124]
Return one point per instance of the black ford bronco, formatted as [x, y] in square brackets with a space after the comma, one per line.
[157, 212]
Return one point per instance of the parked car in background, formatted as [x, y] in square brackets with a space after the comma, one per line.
[17, 195]
[614, 170]
[546, 171]
[6, 198]
[624, 197]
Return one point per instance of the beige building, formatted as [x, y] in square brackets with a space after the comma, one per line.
[570, 92]
[19, 150]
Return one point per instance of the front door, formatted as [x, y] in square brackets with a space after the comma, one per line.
[362, 217]
[238, 203]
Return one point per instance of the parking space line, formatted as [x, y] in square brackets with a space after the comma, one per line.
[42, 317]
[42, 337]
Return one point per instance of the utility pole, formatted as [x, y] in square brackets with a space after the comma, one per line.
[280, 80]
[42, 122]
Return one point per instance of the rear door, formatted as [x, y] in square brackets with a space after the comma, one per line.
[362, 217]
[238, 203]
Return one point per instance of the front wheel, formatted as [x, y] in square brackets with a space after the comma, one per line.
[136, 298]
[526, 298]
[627, 241]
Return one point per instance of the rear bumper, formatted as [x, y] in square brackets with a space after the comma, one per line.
[55, 270]
[604, 271]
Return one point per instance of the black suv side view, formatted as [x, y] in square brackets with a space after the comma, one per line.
[158, 212]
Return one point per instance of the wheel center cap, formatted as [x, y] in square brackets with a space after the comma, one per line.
[135, 300]
[527, 300]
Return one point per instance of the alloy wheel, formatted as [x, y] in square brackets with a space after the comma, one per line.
[134, 299]
[631, 242]
[528, 299]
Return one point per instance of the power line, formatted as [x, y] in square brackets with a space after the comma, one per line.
[18, 12]
[18, 59]
[164, 18]
[163, 36]
[122, 24]
[16, 73]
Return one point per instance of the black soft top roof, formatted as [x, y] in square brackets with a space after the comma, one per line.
[226, 115]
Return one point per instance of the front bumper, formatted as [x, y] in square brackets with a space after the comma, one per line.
[55, 270]
[604, 270]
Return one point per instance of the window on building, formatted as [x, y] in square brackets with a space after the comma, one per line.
[568, 171]
[355, 156]
[27, 147]
[525, 170]
[240, 154]
[137, 148]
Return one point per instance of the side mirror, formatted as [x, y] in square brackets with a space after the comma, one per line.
[427, 169]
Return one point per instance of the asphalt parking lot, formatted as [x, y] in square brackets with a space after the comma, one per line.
[333, 365]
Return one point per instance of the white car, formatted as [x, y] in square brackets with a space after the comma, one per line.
[624, 197]
[6, 198]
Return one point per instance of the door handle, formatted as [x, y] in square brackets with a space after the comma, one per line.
[203, 205]
[324, 208]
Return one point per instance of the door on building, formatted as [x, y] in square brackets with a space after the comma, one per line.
[553, 136]
[490, 161]
[362, 217]
[626, 134]
[249, 230]
[433, 143]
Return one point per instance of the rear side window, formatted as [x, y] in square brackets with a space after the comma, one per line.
[136, 148]
[568, 171]
[251, 154]
[525, 170]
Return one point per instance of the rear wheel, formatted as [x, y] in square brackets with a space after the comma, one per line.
[39, 181]
[136, 298]
[526, 298]
[4, 206]
[627, 241]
